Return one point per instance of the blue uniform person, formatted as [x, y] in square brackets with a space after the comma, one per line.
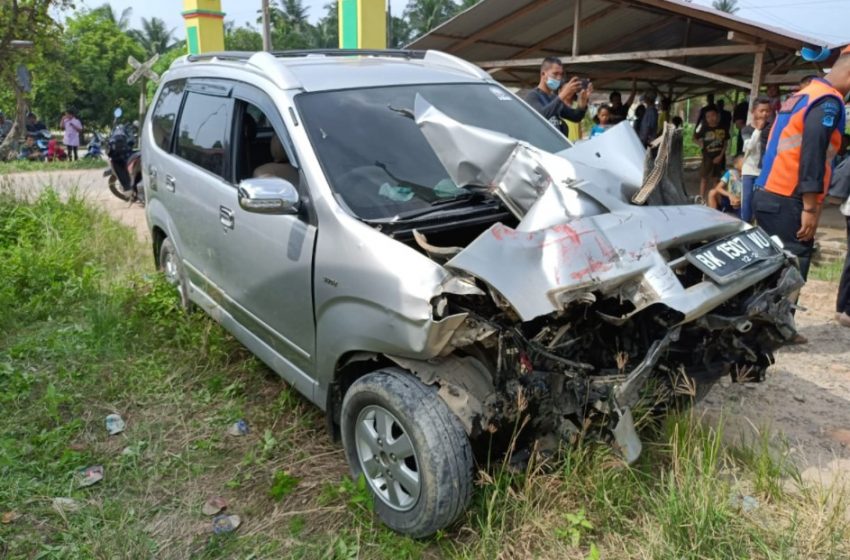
[798, 162]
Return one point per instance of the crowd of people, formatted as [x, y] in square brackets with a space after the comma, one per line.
[38, 142]
[565, 103]
[775, 170]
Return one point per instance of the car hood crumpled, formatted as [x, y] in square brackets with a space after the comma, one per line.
[577, 232]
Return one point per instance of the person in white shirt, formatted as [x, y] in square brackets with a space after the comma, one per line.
[753, 154]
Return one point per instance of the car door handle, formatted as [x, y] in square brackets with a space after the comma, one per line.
[170, 183]
[225, 215]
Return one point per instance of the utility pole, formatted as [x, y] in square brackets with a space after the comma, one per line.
[267, 35]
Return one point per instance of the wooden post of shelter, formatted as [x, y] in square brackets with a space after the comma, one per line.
[576, 25]
[758, 72]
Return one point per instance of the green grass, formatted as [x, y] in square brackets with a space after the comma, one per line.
[691, 148]
[89, 329]
[829, 272]
[22, 166]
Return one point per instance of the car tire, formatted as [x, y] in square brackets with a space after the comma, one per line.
[431, 485]
[172, 267]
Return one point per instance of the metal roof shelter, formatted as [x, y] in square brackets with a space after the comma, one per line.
[678, 47]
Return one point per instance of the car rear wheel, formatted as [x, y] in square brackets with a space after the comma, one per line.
[172, 268]
[412, 450]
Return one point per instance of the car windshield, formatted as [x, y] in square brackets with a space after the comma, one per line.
[377, 160]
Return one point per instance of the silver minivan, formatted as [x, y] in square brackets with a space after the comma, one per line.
[429, 261]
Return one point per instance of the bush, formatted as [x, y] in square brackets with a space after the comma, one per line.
[54, 254]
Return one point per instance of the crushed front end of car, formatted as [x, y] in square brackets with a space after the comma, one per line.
[591, 299]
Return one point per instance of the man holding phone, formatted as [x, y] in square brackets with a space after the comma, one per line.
[553, 98]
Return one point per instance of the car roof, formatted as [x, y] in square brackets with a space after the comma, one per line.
[334, 69]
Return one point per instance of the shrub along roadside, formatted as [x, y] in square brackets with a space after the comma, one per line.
[88, 330]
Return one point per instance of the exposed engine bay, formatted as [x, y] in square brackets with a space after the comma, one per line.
[602, 282]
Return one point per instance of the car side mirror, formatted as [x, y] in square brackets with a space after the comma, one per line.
[268, 195]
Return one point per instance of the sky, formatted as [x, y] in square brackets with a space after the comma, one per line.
[825, 18]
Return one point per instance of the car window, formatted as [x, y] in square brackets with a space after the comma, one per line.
[375, 156]
[203, 130]
[165, 113]
[258, 148]
[258, 115]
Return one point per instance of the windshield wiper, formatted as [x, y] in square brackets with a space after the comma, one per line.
[462, 195]
[403, 111]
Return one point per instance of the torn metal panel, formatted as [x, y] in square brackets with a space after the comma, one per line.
[597, 253]
[513, 170]
[618, 152]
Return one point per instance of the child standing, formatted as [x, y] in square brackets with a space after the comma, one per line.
[726, 195]
[602, 120]
[712, 138]
[72, 127]
[751, 135]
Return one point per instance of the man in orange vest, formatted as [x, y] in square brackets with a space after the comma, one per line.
[798, 161]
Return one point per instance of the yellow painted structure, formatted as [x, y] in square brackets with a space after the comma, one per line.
[204, 25]
[362, 24]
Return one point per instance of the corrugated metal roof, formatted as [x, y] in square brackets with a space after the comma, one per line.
[527, 30]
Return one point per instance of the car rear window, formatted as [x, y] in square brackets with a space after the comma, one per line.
[202, 136]
[165, 113]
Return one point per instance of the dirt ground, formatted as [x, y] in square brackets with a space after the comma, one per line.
[806, 397]
[805, 400]
[90, 183]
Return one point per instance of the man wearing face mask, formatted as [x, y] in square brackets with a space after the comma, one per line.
[553, 99]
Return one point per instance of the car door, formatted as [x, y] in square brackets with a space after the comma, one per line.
[194, 177]
[267, 259]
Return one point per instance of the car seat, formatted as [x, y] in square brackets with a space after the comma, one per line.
[279, 166]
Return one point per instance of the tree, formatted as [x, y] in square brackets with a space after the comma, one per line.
[242, 38]
[399, 33]
[326, 31]
[425, 15]
[154, 36]
[122, 21]
[728, 6]
[293, 12]
[290, 27]
[96, 54]
[25, 20]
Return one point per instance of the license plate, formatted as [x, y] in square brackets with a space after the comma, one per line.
[723, 259]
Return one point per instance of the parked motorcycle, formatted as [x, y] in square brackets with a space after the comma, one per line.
[125, 163]
[42, 142]
[94, 150]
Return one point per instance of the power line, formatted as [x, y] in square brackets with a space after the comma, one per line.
[795, 4]
[790, 25]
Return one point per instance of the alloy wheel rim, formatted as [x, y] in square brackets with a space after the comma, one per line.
[387, 458]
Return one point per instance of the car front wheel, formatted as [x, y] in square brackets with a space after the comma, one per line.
[413, 451]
